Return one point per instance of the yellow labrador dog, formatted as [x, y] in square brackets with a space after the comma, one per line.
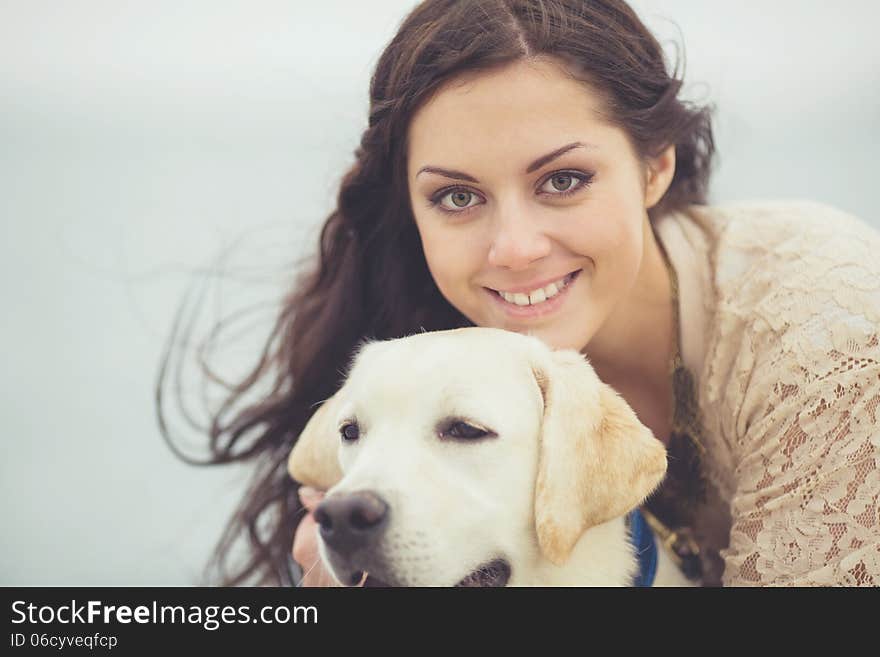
[479, 457]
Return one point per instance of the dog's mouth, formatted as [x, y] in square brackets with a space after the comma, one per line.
[495, 573]
[490, 574]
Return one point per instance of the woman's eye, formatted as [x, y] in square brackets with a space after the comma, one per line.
[564, 182]
[349, 432]
[463, 431]
[457, 200]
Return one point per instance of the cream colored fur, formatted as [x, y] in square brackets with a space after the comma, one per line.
[547, 492]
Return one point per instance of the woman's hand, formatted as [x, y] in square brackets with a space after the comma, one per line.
[305, 543]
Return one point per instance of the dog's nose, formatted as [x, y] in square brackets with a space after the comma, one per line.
[352, 520]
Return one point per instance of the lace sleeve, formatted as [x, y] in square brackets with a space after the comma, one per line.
[805, 505]
[805, 511]
[792, 393]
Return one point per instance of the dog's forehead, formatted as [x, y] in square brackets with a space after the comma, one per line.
[444, 352]
[463, 359]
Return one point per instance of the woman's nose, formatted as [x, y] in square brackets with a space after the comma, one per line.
[518, 241]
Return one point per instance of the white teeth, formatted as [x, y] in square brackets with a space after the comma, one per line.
[536, 296]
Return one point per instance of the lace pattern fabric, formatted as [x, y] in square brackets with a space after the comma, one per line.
[781, 326]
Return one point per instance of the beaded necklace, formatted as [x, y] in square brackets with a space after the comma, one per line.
[671, 508]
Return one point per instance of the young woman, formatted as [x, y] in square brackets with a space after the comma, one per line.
[529, 166]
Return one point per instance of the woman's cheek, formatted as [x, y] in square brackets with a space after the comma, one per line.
[451, 255]
[442, 270]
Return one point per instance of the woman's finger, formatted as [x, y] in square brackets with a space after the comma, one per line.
[310, 497]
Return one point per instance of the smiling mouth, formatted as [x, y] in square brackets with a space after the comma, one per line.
[538, 296]
[492, 574]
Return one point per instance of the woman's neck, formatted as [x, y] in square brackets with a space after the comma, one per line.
[633, 349]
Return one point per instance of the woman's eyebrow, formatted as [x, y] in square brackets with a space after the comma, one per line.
[447, 173]
[534, 166]
[544, 159]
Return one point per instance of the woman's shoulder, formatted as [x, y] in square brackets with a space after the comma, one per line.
[760, 277]
[784, 234]
[788, 263]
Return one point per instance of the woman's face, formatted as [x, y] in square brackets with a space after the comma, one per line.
[531, 208]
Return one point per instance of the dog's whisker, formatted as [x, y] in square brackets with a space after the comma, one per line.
[319, 402]
[308, 572]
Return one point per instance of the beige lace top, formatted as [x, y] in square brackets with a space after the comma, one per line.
[780, 317]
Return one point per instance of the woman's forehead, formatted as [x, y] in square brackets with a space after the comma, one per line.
[524, 84]
[523, 109]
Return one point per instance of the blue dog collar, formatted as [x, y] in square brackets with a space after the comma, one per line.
[645, 546]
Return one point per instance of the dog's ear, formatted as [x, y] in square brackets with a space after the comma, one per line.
[597, 461]
[314, 460]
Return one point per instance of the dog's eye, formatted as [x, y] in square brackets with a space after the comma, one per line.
[349, 431]
[463, 431]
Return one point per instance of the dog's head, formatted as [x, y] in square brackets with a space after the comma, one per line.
[467, 456]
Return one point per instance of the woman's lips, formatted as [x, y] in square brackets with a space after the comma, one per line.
[540, 309]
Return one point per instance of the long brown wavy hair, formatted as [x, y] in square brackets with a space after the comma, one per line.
[370, 279]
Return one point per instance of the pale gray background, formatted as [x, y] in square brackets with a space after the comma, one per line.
[147, 145]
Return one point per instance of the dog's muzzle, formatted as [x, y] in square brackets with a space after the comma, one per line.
[352, 522]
